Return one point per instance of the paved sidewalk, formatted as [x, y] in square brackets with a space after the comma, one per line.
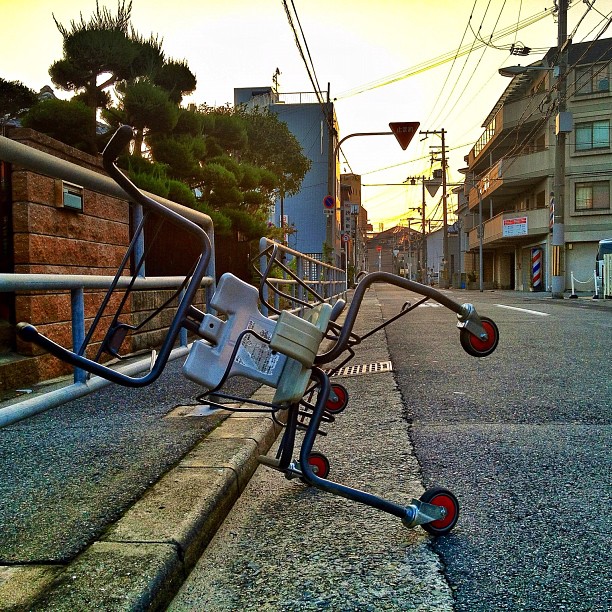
[287, 547]
[140, 561]
[143, 558]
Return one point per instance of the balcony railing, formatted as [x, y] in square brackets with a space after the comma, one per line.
[510, 226]
[491, 181]
[531, 164]
[300, 97]
[520, 114]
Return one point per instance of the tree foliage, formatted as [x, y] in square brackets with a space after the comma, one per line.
[64, 120]
[227, 162]
[272, 146]
[106, 51]
[15, 97]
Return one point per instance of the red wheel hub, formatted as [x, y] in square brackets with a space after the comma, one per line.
[484, 345]
[449, 505]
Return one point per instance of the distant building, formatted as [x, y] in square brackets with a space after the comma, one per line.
[510, 173]
[354, 223]
[395, 250]
[314, 125]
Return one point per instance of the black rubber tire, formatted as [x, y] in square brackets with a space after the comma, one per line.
[476, 347]
[438, 496]
[337, 406]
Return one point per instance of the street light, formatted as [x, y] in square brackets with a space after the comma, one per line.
[403, 132]
[512, 71]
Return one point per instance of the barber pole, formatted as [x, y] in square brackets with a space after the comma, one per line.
[536, 268]
[551, 207]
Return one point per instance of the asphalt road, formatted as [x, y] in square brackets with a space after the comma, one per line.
[523, 439]
[71, 471]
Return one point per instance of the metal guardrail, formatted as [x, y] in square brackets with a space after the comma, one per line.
[49, 165]
[312, 279]
[312, 275]
[46, 164]
[76, 284]
[315, 277]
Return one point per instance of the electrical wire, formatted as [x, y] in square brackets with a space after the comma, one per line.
[468, 81]
[439, 97]
[298, 42]
[440, 60]
[512, 155]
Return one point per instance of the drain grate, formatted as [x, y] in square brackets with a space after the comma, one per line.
[368, 368]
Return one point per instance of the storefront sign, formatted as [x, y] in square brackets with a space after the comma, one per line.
[514, 227]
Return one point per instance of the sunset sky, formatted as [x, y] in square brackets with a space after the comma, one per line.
[364, 49]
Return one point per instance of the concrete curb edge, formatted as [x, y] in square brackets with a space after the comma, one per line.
[142, 559]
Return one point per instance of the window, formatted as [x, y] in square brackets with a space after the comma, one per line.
[593, 196]
[593, 135]
[592, 79]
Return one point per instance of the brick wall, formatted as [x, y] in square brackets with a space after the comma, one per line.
[51, 239]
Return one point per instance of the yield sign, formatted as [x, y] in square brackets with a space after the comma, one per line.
[404, 131]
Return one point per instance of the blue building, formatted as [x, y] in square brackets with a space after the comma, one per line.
[314, 125]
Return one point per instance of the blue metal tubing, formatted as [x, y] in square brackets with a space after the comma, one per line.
[327, 485]
[78, 328]
[29, 333]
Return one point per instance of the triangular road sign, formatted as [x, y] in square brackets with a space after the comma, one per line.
[404, 131]
[432, 187]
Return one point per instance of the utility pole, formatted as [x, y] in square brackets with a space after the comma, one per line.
[558, 228]
[444, 281]
[421, 209]
[424, 275]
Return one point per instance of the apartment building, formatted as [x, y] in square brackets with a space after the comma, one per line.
[316, 229]
[510, 173]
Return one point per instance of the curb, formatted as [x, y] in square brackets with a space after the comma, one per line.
[142, 560]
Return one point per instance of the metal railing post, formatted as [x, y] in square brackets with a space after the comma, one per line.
[139, 247]
[263, 262]
[77, 305]
[299, 269]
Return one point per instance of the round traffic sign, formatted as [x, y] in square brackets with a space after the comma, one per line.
[328, 202]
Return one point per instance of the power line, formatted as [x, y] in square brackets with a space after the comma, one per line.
[309, 69]
[454, 60]
[441, 59]
[477, 64]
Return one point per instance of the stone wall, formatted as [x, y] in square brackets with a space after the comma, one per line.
[49, 238]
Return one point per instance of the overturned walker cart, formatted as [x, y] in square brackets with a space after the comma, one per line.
[295, 354]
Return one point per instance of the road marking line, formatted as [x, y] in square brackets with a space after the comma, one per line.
[536, 312]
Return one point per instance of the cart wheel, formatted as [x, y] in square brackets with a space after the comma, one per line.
[476, 347]
[441, 497]
[319, 464]
[339, 404]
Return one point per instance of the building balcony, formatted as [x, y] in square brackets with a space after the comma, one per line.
[511, 227]
[519, 116]
[513, 175]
